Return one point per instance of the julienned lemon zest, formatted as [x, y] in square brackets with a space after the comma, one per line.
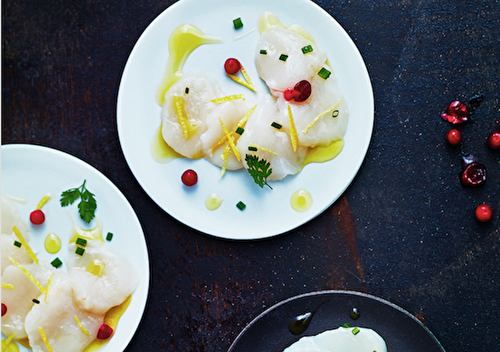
[81, 326]
[45, 340]
[293, 131]
[241, 124]
[317, 117]
[43, 201]
[228, 98]
[7, 286]
[47, 288]
[264, 149]
[230, 140]
[182, 117]
[225, 157]
[25, 244]
[26, 272]
[242, 82]
[7, 341]
[246, 76]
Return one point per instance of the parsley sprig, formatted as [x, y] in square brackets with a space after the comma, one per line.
[259, 169]
[87, 205]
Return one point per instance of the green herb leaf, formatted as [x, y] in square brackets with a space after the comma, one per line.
[87, 205]
[259, 169]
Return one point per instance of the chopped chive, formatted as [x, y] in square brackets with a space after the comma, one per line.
[355, 330]
[324, 73]
[56, 263]
[335, 113]
[237, 23]
[240, 130]
[81, 241]
[283, 57]
[36, 301]
[276, 125]
[17, 244]
[346, 325]
[109, 236]
[253, 149]
[263, 52]
[307, 49]
[241, 205]
[80, 251]
[186, 90]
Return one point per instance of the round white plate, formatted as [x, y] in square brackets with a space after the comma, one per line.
[268, 212]
[31, 172]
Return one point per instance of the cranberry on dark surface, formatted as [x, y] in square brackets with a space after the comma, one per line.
[456, 112]
[454, 137]
[474, 175]
[494, 140]
[483, 213]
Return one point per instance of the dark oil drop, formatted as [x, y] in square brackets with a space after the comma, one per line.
[354, 313]
[301, 322]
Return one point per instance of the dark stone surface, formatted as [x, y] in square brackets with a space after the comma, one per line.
[403, 231]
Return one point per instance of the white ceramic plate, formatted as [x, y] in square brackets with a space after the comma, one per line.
[30, 172]
[268, 212]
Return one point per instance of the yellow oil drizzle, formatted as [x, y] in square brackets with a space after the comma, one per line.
[160, 150]
[111, 319]
[52, 243]
[183, 40]
[322, 154]
[91, 234]
[301, 200]
[213, 201]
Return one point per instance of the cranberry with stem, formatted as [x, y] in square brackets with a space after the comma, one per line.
[494, 140]
[473, 173]
[300, 92]
[454, 137]
[483, 213]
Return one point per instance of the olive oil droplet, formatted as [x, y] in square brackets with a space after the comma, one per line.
[52, 243]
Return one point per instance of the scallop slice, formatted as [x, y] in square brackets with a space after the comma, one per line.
[272, 144]
[195, 91]
[284, 58]
[56, 317]
[9, 249]
[340, 340]
[11, 218]
[230, 113]
[323, 117]
[19, 300]
[101, 278]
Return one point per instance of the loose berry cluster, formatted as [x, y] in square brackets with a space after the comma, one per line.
[473, 173]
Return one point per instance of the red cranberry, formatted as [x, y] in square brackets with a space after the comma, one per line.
[232, 66]
[484, 213]
[37, 217]
[104, 332]
[4, 309]
[189, 178]
[456, 112]
[474, 175]
[454, 137]
[299, 93]
[494, 140]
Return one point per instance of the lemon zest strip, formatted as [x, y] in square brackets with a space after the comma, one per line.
[25, 244]
[228, 98]
[241, 123]
[7, 286]
[264, 149]
[81, 326]
[317, 117]
[47, 288]
[26, 272]
[246, 76]
[225, 157]
[45, 340]
[182, 118]
[293, 131]
[43, 201]
[230, 140]
[242, 82]
[7, 341]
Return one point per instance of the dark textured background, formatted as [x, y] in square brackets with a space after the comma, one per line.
[404, 230]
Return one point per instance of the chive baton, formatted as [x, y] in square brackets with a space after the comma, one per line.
[335, 113]
[355, 330]
[80, 251]
[109, 236]
[276, 125]
[240, 130]
[81, 241]
[36, 301]
[237, 23]
[56, 263]
[283, 57]
[17, 244]
[324, 73]
[263, 52]
[253, 149]
[307, 49]
[241, 205]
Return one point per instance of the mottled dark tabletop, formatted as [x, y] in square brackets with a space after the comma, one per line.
[404, 230]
